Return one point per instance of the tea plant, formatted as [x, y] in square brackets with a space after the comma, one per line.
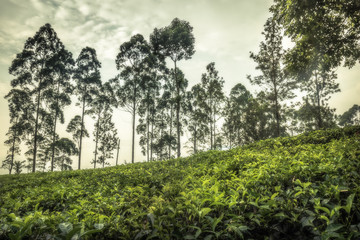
[303, 187]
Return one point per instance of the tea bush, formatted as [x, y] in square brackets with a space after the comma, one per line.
[303, 187]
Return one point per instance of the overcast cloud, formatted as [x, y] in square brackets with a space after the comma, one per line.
[225, 31]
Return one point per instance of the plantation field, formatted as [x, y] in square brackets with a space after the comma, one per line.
[303, 187]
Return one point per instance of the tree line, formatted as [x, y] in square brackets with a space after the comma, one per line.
[156, 94]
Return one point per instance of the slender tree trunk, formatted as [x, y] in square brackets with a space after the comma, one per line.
[36, 127]
[81, 132]
[195, 138]
[177, 111]
[171, 122]
[12, 152]
[277, 111]
[96, 138]
[152, 137]
[133, 126]
[117, 152]
[214, 120]
[147, 133]
[54, 131]
[53, 142]
[319, 117]
[211, 136]
[103, 163]
[161, 137]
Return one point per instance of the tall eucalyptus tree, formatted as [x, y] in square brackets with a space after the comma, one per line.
[32, 68]
[176, 42]
[134, 61]
[277, 85]
[88, 81]
[21, 109]
[213, 85]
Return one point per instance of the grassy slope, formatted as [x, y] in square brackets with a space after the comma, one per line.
[287, 188]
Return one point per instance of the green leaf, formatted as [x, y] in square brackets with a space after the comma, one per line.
[349, 202]
[65, 227]
[99, 226]
[334, 227]
[323, 209]
[204, 211]
[274, 196]
[151, 219]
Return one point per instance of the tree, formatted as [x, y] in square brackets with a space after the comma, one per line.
[334, 24]
[19, 166]
[277, 85]
[107, 138]
[87, 77]
[64, 149]
[21, 108]
[213, 87]
[101, 107]
[175, 41]
[58, 96]
[256, 119]
[307, 116]
[196, 116]
[134, 61]
[147, 109]
[31, 69]
[234, 112]
[351, 116]
[77, 129]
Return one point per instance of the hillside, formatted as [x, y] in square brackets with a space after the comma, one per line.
[303, 187]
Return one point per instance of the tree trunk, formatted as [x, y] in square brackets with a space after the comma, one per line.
[82, 129]
[53, 143]
[319, 117]
[133, 126]
[170, 135]
[36, 127]
[147, 133]
[214, 120]
[117, 153]
[177, 112]
[277, 112]
[54, 131]
[151, 142]
[96, 138]
[12, 152]
[195, 138]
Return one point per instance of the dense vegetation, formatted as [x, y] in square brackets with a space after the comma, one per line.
[303, 187]
[149, 84]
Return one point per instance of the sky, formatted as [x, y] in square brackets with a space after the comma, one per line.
[225, 32]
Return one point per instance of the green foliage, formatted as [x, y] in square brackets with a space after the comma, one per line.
[304, 187]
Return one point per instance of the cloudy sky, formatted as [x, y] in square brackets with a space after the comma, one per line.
[225, 31]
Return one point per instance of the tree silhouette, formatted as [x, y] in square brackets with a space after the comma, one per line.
[134, 60]
[32, 68]
[175, 41]
[234, 112]
[21, 109]
[58, 96]
[64, 148]
[213, 87]
[277, 86]
[351, 116]
[87, 77]
[196, 116]
[101, 107]
[76, 129]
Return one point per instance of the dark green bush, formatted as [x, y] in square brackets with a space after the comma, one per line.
[303, 187]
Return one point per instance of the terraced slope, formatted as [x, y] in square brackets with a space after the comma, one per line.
[304, 187]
